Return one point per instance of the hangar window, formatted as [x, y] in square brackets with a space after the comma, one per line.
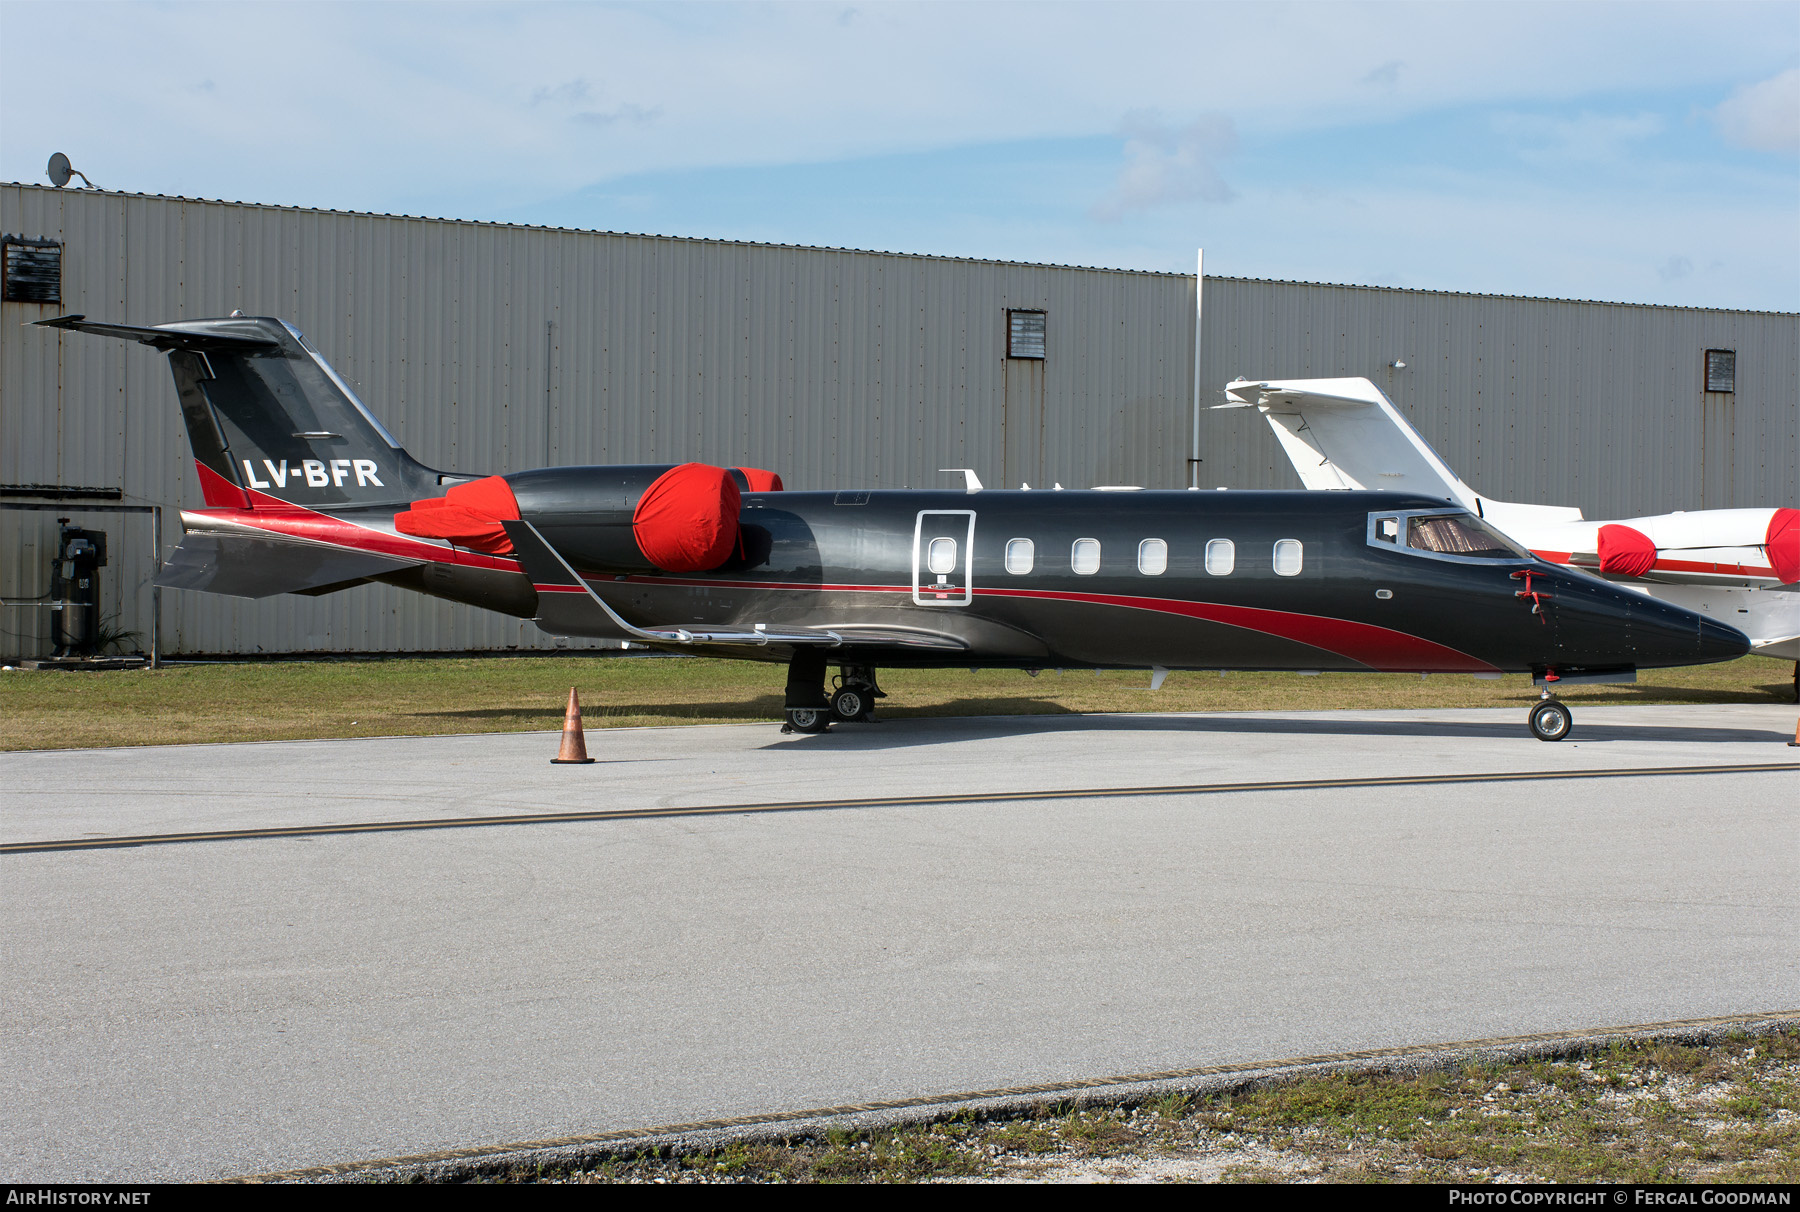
[1721, 370]
[1025, 334]
[1221, 557]
[1019, 556]
[1085, 557]
[1153, 557]
[33, 269]
[940, 557]
[1288, 557]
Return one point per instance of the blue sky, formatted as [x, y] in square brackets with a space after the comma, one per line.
[1644, 153]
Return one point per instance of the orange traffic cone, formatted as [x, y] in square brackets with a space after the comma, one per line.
[574, 745]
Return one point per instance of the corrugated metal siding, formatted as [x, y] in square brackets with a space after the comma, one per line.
[490, 349]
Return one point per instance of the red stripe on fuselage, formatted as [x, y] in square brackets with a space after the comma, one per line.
[1380, 648]
[705, 583]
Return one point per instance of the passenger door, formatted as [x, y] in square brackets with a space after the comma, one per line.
[943, 557]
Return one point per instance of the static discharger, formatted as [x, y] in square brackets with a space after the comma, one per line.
[574, 744]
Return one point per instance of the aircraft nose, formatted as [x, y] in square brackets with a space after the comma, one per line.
[1717, 642]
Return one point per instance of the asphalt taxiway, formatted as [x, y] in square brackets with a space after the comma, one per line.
[196, 1007]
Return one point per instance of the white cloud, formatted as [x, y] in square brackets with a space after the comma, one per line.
[1763, 116]
[473, 110]
[1164, 165]
[390, 105]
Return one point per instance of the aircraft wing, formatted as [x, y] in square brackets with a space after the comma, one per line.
[568, 605]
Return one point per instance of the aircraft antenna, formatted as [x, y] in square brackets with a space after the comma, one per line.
[1199, 297]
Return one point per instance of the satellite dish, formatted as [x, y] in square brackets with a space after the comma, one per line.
[61, 170]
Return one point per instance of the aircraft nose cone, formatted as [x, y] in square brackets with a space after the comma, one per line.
[1718, 642]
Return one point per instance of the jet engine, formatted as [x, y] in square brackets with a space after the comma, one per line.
[623, 519]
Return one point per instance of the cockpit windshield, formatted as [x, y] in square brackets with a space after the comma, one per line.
[1461, 536]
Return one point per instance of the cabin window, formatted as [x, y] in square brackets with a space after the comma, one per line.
[1020, 554]
[1085, 558]
[941, 556]
[1221, 557]
[1388, 530]
[1153, 557]
[1288, 556]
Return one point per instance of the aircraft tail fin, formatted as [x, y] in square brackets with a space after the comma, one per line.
[270, 422]
[1346, 433]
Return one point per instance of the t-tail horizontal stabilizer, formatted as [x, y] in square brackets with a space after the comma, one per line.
[568, 605]
[245, 567]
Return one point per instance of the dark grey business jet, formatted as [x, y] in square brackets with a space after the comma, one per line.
[307, 493]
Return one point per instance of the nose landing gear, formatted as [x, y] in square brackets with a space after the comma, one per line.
[1550, 720]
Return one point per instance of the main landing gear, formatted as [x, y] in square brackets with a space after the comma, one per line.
[809, 710]
[854, 699]
[1550, 719]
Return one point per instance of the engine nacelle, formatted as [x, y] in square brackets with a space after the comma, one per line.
[624, 518]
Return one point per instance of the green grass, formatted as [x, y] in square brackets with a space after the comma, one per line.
[1641, 1113]
[290, 700]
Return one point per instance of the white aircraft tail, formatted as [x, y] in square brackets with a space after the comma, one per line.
[1346, 433]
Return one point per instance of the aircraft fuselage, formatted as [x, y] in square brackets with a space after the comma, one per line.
[1120, 579]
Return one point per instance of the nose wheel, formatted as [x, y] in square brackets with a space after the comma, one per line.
[1550, 720]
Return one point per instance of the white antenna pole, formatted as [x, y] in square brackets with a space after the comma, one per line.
[1199, 302]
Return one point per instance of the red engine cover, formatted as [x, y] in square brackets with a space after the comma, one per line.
[1784, 545]
[687, 521]
[1626, 552]
[468, 515]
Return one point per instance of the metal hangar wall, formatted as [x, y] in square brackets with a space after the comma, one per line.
[492, 348]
